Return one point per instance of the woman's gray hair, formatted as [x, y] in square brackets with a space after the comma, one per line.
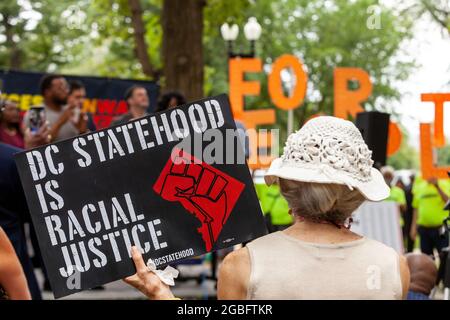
[321, 201]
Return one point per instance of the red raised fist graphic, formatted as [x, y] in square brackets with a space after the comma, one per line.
[203, 190]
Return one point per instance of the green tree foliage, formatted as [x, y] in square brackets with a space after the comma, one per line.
[42, 35]
[443, 156]
[112, 39]
[96, 37]
[325, 35]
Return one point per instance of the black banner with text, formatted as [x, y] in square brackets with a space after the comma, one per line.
[104, 96]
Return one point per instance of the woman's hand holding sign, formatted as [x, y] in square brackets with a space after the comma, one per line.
[147, 281]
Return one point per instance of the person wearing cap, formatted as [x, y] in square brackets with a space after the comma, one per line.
[325, 174]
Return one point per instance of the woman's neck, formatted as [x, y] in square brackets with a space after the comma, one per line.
[309, 231]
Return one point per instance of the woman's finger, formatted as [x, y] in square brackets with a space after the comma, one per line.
[131, 280]
[138, 260]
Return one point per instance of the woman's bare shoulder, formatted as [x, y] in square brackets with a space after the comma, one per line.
[234, 275]
[240, 257]
[6, 247]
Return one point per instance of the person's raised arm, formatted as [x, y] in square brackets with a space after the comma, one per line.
[443, 195]
[435, 183]
[12, 278]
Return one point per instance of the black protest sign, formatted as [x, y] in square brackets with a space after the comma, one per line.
[174, 184]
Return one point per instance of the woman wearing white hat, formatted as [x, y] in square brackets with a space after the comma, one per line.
[325, 174]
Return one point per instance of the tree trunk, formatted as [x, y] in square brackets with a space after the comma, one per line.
[15, 60]
[139, 39]
[182, 47]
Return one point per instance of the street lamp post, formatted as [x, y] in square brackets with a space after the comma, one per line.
[252, 32]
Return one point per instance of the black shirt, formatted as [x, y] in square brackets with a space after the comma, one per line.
[121, 120]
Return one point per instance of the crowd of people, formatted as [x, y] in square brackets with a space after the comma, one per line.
[308, 215]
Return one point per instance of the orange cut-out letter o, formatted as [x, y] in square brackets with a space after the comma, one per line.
[276, 93]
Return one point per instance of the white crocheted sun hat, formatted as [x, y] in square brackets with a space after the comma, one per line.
[329, 150]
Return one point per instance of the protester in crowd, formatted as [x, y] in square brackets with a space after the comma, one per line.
[10, 130]
[55, 89]
[325, 174]
[75, 100]
[396, 194]
[408, 214]
[137, 101]
[13, 205]
[170, 100]
[430, 197]
[423, 276]
[13, 284]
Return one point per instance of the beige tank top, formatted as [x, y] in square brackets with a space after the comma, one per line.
[283, 267]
